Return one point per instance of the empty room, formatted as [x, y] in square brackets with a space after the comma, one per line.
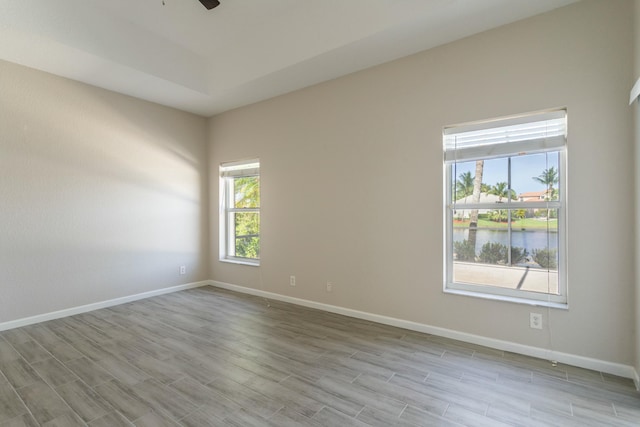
[336, 213]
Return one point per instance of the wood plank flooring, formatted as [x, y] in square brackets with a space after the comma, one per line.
[210, 357]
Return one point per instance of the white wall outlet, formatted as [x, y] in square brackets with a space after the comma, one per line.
[535, 320]
[292, 280]
[183, 269]
[329, 286]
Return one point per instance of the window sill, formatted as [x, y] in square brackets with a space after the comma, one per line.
[525, 301]
[251, 263]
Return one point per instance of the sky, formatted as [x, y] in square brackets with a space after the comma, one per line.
[523, 169]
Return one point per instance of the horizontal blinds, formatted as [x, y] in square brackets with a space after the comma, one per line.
[522, 135]
[236, 169]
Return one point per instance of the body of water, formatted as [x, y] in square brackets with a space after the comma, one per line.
[528, 239]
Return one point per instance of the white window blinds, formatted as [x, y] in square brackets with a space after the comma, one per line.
[244, 168]
[522, 134]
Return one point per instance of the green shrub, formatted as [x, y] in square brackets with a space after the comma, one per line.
[498, 215]
[518, 255]
[464, 251]
[493, 253]
[546, 258]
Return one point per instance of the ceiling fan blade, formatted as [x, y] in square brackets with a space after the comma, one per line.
[210, 4]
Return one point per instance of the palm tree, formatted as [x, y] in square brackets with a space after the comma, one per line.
[499, 215]
[548, 177]
[520, 214]
[473, 218]
[501, 190]
[464, 185]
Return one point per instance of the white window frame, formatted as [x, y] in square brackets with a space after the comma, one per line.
[475, 141]
[228, 172]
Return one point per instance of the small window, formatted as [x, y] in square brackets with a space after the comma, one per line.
[505, 208]
[240, 212]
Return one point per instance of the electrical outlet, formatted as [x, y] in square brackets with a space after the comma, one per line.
[292, 280]
[535, 320]
[329, 286]
[183, 269]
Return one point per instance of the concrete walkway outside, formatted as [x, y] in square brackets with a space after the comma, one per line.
[536, 280]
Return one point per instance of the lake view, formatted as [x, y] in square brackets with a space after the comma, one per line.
[528, 239]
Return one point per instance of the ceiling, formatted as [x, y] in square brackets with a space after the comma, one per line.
[176, 53]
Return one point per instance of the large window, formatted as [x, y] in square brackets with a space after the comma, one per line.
[240, 212]
[505, 209]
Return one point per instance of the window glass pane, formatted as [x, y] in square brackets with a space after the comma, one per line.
[248, 247]
[246, 192]
[520, 253]
[494, 187]
[535, 177]
[543, 240]
[247, 234]
[462, 176]
[495, 178]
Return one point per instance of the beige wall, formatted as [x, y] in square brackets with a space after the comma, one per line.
[352, 178]
[101, 195]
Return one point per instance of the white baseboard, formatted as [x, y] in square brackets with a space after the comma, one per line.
[97, 305]
[542, 353]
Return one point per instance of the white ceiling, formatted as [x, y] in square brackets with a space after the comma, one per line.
[206, 62]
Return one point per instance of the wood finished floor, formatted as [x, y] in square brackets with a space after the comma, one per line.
[209, 357]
